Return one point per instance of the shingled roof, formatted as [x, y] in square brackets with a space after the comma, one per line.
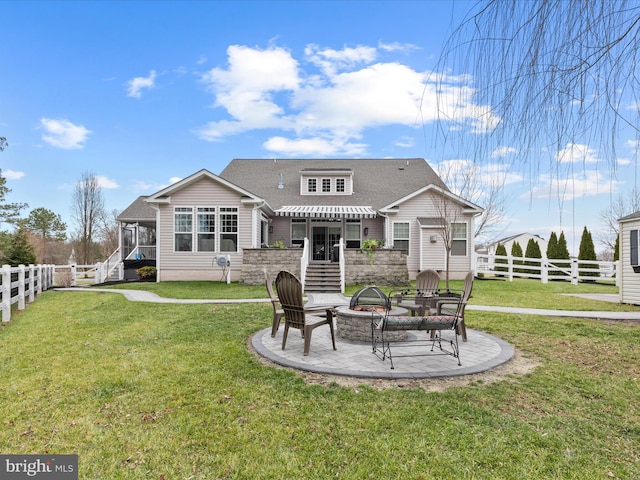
[138, 211]
[376, 182]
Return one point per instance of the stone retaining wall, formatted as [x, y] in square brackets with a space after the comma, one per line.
[374, 267]
[255, 260]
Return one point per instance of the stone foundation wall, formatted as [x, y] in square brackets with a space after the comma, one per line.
[375, 267]
[255, 260]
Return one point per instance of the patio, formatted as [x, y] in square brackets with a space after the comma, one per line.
[480, 353]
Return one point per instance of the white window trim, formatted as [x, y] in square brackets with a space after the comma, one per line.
[393, 235]
[466, 239]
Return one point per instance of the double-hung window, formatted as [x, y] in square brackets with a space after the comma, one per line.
[183, 229]
[401, 236]
[228, 229]
[353, 234]
[311, 185]
[298, 231]
[459, 239]
[206, 229]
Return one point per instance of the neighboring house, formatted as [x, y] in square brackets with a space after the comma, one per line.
[629, 261]
[308, 204]
[522, 239]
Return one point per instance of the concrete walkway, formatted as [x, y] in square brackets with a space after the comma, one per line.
[480, 353]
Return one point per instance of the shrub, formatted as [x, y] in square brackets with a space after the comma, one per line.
[145, 273]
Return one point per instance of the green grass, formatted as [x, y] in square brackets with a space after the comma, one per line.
[162, 391]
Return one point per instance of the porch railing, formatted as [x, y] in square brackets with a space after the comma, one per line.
[304, 261]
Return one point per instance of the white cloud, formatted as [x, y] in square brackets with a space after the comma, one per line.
[332, 98]
[575, 152]
[330, 60]
[312, 146]
[586, 183]
[136, 85]
[502, 151]
[107, 183]
[13, 175]
[64, 134]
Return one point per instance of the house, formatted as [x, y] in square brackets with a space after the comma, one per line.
[318, 208]
[523, 241]
[629, 261]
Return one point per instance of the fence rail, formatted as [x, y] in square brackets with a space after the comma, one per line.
[21, 284]
[545, 269]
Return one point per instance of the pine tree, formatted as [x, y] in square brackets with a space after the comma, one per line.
[19, 251]
[587, 252]
[533, 251]
[501, 250]
[516, 252]
[552, 246]
[563, 254]
[552, 249]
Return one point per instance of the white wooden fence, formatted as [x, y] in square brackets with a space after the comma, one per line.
[21, 285]
[545, 269]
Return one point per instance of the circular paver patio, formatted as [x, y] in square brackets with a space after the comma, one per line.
[356, 359]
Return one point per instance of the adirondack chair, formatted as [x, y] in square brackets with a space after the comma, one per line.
[278, 312]
[296, 315]
[426, 289]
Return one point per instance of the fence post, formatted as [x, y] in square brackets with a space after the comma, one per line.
[6, 293]
[544, 271]
[99, 274]
[21, 303]
[73, 274]
[32, 283]
[575, 273]
[39, 272]
[510, 261]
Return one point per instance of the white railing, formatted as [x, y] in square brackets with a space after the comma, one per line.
[342, 269]
[545, 269]
[21, 284]
[304, 261]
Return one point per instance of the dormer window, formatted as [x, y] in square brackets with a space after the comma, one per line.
[326, 182]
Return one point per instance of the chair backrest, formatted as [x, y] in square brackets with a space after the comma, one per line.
[289, 290]
[427, 281]
[468, 286]
[269, 284]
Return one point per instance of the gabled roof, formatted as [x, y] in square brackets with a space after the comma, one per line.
[163, 195]
[468, 207]
[376, 182]
[513, 237]
[627, 218]
[138, 211]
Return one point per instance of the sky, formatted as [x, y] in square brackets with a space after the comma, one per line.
[142, 94]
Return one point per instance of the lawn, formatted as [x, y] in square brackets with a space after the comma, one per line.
[163, 391]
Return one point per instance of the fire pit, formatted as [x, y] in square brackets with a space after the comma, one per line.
[354, 322]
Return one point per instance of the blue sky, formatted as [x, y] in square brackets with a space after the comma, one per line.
[143, 93]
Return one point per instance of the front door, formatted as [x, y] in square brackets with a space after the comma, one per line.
[323, 240]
